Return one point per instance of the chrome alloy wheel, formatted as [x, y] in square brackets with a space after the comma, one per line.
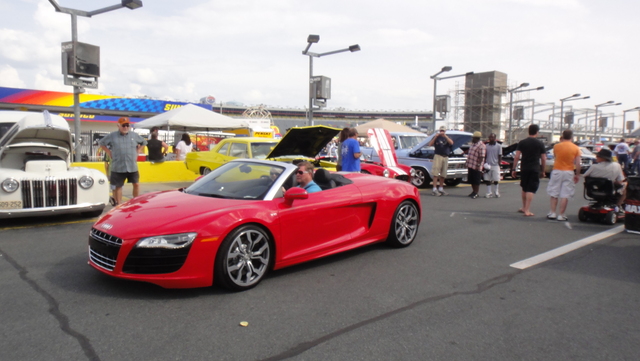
[248, 257]
[405, 224]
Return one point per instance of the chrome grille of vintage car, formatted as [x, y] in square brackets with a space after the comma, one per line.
[103, 249]
[49, 192]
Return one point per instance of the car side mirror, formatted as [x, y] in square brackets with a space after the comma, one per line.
[294, 193]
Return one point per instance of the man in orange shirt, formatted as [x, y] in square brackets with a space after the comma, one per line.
[565, 175]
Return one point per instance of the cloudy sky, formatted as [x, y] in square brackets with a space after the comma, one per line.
[250, 51]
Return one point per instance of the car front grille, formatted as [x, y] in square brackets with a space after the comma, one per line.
[103, 249]
[49, 192]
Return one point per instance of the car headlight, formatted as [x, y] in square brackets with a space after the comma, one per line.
[169, 241]
[85, 182]
[385, 173]
[10, 185]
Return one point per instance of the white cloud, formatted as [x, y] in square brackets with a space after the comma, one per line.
[10, 77]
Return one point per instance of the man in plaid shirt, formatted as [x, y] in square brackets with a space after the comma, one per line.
[475, 163]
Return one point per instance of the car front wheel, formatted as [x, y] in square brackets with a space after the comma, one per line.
[205, 170]
[243, 258]
[404, 226]
[421, 179]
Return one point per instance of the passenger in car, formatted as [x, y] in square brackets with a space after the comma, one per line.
[304, 177]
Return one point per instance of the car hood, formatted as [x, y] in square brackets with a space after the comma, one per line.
[304, 141]
[39, 128]
[459, 138]
[145, 216]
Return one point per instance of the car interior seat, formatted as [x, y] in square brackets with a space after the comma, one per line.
[322, 177]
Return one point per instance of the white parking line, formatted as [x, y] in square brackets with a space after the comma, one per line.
[543, 257]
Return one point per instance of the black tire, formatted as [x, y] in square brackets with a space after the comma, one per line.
[582, 215]
[610, 218]
[244, 258]
[404, 226]
[205, 170]
[453, 182]
[421, 179]
[92, 214]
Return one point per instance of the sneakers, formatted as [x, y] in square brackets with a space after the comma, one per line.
[443, 193]
[489, 195]
[435, 193]
[552, 215]
[473, 195]
[497, 195]
[562, 218]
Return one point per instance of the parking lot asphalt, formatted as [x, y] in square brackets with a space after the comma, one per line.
[452, 295]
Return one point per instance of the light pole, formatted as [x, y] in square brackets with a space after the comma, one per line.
[435, 82]
[311, 39]
[511, 91]
[595, 125]
[568, 99]
[77, 90]
[624, 118]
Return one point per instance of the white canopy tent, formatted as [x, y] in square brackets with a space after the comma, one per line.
[192, 118]
[384, 124]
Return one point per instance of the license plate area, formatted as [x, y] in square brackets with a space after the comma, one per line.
[11, 205]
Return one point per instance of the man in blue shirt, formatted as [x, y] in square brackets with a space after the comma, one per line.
[304, 177]
[351, 152]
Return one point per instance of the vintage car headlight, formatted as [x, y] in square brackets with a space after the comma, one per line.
[385, 173]
[10, 185]
[85, 182]
[170, 241]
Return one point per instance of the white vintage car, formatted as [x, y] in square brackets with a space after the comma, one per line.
[36, 177]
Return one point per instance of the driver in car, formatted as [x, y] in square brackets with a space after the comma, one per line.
[304, 177]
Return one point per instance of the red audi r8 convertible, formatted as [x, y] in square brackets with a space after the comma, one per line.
[245, 218]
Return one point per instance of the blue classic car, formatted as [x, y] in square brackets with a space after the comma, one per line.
[419, 155]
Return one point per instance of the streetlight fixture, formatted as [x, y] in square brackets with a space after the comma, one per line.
[624, 118]
[77, 89]
[595, 125]
[511, 91]
[312, 39]
[435, 82]
[568, 99]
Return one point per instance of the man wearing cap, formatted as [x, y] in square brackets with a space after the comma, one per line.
[475, 163]
[564, 176]
[123, 146]
[606, 168]
[442, 148]
[534, 159]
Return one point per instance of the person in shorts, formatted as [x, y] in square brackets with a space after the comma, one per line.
[532, 153]
[123, 146]
[492, 166]
[564, 176]
[442, 148]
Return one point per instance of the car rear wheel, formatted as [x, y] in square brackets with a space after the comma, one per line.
[243, 258]
[421, 179]
[205, 170]
[404, 226]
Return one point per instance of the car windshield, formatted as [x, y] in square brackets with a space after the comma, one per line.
[410, 141]
[237, 180]
[260, 150]
[4, 128]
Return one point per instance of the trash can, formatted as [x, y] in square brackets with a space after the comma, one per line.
[632, 206]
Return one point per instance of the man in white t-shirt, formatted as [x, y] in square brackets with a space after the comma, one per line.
[622, 151]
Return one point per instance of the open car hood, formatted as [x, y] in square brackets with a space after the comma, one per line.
[304, 141]
[459, 138]
[36, 128]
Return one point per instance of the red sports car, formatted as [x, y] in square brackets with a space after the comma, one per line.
[245, 218]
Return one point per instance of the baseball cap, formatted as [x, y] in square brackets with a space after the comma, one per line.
[123, 120]
[477, 134]
[443, 128]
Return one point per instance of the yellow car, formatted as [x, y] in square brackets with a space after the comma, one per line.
[303, 143]
[229, 149]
